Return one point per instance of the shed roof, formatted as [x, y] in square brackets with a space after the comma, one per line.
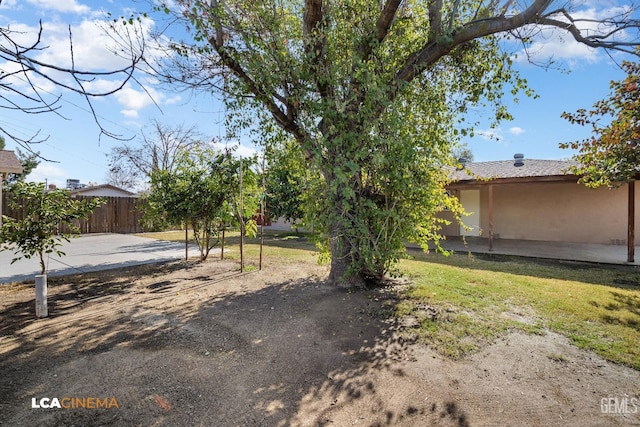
[9, 163]
[80, 191]
[532, 169]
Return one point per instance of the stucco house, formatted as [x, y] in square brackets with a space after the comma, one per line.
[529, 199]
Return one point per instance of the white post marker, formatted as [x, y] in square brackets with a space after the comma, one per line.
[41, 296]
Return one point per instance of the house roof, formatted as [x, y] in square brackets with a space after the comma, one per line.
[505, 170]
[102, 186]
[9, 163]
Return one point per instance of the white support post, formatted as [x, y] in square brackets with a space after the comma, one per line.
[41, 296]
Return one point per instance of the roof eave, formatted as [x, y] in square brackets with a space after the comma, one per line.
[515, 180]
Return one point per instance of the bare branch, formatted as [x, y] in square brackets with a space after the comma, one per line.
[604, 40]
[34, 101]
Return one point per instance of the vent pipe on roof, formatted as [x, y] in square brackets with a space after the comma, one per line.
[518, 160]
[462, 163]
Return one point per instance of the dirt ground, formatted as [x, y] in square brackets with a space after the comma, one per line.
[187, 344]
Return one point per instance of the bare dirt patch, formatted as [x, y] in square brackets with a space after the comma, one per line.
[186, 344]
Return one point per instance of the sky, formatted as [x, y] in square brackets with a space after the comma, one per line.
[75, 150]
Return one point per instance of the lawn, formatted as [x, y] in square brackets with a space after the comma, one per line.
[460, 303]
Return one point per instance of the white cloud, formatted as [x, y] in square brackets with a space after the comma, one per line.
[91, 49]
[240, 150]
[92, 46]
[490, 134]
[516, 130]
[132, 114]
[133, 99]
[558, 45]
[50, 173]
[65, 6]
[8, 4]
[173, 100]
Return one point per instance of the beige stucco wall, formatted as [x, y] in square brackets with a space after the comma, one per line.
[452, 228]
[556, 211]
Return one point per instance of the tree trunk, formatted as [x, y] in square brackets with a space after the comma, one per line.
[43, 268]
[342, 257]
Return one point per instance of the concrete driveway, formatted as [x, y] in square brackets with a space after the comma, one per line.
[94, 252]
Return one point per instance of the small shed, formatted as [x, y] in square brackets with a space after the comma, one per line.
[9, 163]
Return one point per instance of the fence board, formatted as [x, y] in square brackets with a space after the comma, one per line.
[117, 215]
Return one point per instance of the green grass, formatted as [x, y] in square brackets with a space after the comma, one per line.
[472, 301]
[282, 246]
[461, 303]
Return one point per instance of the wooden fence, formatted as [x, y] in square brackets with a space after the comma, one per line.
[117, 215]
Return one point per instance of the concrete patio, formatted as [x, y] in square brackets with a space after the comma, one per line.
[597, 253]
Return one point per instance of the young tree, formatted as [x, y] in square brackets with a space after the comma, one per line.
[370, 90]
[611, 155]
[45, 213]
[202, 190]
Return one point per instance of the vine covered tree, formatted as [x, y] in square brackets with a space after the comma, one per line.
[371, 91]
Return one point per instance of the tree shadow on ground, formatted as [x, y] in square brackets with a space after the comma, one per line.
[293, 352]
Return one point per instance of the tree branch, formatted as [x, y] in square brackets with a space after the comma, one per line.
[436, 49]
[387, 17]
[24, 57]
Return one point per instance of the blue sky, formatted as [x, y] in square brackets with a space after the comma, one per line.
[73, 141]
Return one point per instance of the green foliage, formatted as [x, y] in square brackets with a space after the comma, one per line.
[611, 156]
[29, 163]
[204, 191]
[290, 182]
[463, 152]
[45, 213]
[154, 217]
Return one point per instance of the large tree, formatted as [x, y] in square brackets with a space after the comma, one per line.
[371, 91]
